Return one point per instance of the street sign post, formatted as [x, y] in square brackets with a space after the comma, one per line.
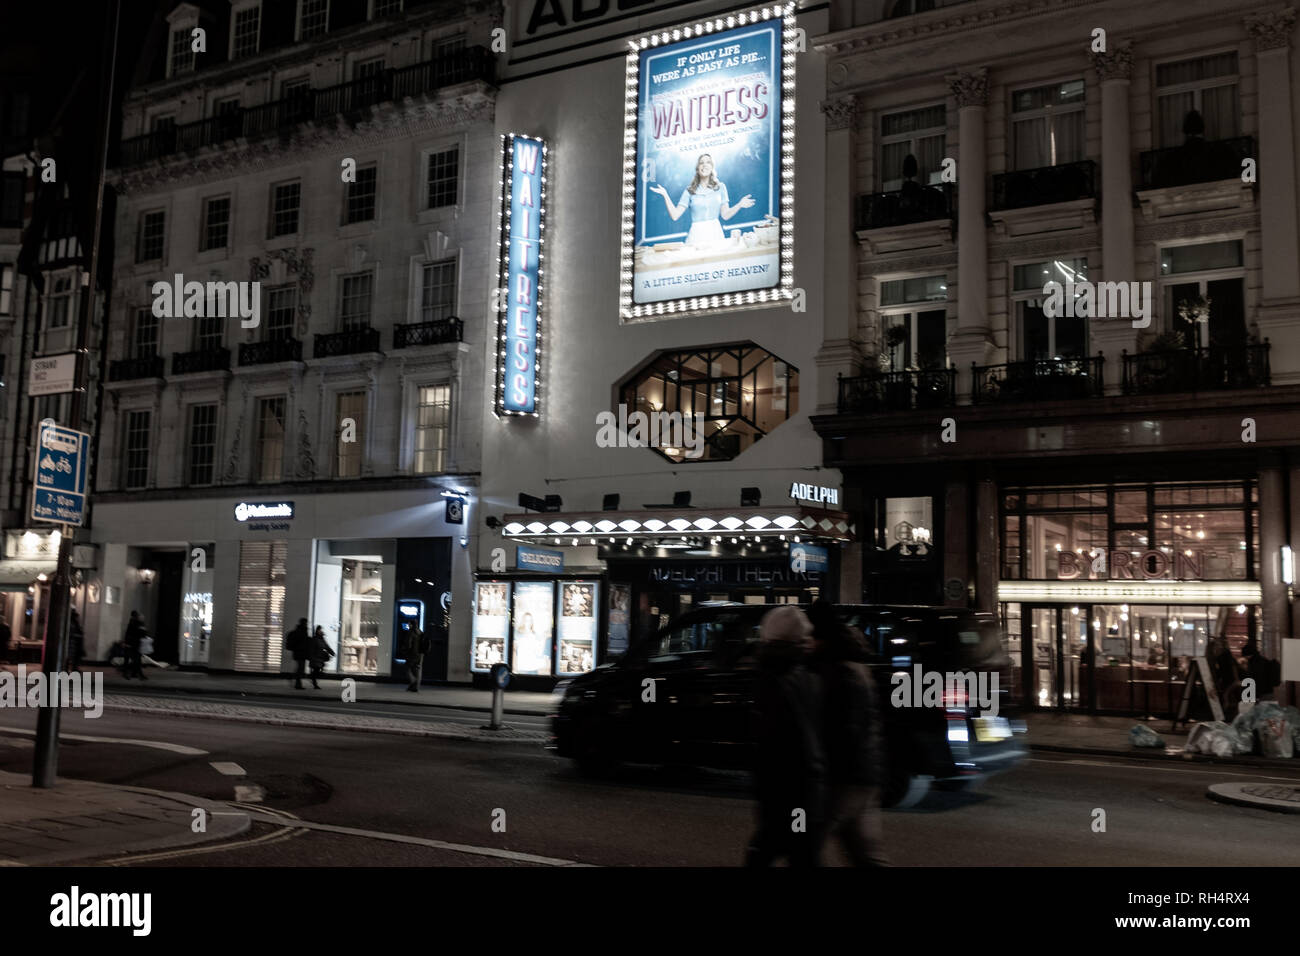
[62, 463]
[53, 375]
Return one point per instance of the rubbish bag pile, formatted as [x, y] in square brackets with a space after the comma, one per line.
[1143, 736]
[1267, 729]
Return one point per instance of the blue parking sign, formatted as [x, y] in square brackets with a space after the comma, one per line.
[62, 463]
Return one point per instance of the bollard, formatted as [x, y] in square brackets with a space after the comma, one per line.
[500, 680]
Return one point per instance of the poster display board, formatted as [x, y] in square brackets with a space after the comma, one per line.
[578, 619]
[491, 624]
[531, 635]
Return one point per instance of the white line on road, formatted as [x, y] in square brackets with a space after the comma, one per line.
[1121, 766]
[421, 841]
[155, 744]
[228, 769]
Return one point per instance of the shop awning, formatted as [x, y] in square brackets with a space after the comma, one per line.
[815, 524]
[20, 575]
[1133, 592]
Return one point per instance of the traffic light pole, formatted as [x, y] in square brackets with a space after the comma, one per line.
[46, 760]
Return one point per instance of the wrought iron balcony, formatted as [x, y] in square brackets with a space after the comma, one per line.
[1196, 161]
[1195, 370]
[913, 203]
[346, 343]
[1038, 380]
[201, 360]
[462, 66]
[898, 391]
[147, 366]
[1046, 184]
[437, 332]
[264, 353]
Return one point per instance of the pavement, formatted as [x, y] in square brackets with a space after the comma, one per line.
[82, 821]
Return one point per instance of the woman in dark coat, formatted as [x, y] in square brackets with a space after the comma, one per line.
[787, 728]
[319, 652]
[299, 643]
[852, 736]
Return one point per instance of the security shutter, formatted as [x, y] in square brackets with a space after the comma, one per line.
[259, 624]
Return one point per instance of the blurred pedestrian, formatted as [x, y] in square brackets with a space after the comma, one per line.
[417, 645]
[135, 633]
[298, 641]
[787, 728]
[76, 642]
[851, 733]
[1227, 674]
[320, 653]
[1264, 671]
[6, 635]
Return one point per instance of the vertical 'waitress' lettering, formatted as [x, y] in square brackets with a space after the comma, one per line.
[523, 257]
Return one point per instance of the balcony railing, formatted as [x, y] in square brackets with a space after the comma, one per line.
[437, 332]
[1039, 380]
[147, 366]
[201, 360]
[914, 203]
[346, 343]
[898, 391]
[1046, 184]
[1197, 161]
[264, 353]
[472, 63]
[1195, 370]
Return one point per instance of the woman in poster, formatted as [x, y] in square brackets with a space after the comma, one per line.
[534, 650]
[707, 199]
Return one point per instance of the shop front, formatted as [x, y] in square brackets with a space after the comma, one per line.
[1109, 593]
[344, 562]
[585, 585]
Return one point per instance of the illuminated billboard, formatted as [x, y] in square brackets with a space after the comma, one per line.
[708, 166]
[519, 298]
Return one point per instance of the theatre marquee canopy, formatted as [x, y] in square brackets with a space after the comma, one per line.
[812, 523]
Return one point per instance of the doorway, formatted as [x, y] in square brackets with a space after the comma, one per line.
[1058, 657]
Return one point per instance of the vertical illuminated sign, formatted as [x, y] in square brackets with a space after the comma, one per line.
[519, 335]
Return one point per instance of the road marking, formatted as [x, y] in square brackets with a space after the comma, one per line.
[1121, 766]
[435, 844]
[251, 793]
[154, 744]
[228, 769]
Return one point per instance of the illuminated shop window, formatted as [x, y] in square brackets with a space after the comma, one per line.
[740, 392]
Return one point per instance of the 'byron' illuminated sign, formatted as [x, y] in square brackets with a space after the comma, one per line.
[1130, 565]
[519, 336]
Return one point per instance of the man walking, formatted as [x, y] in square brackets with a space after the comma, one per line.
[298, 641]
[851, 733]
[788, 717]
[135, 633]
[417, 645]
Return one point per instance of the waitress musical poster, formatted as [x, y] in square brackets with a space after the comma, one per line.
[708, 165]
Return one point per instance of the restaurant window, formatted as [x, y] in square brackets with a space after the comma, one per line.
[281, 305]
[135, 444]
[1039, 336]
[351, 408]
[923, 339]
[1047, 125]
[432, 427]
[270, 439]
[1207, 84]
[203, 444]
[740, 391]
[921, 133]
[1203, 291]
